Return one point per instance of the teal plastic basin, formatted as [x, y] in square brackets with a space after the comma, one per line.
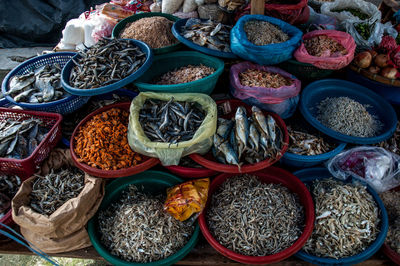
[167, 62]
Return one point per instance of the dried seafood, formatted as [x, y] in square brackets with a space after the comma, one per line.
[392, 144]
[259, 78]
[324, 46]
[348, 117]
[9, 186]
[263, 33]
[254, 218]
[347, 219]
[51, 191]
[137, 229]
[391, 201]
[302, 143]
[184, 74]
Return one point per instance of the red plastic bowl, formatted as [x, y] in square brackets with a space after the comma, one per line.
[146, 164]
[208, 161]
[191, 172]
[271, 175]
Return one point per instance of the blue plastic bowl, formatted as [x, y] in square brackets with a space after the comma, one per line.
[309, 175]
[63, 106]
[303, 161]
[66, 72]
[317, 91]
[177, 29]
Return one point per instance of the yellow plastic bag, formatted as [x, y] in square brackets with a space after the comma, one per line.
[170, 154]
[187, 198]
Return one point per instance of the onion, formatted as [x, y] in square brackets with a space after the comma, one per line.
[381, 60]
[363, 59]
[373, 53]
[389, 72]
[374, 69]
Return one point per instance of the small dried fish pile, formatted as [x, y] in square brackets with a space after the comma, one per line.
[324, 46]
[18, 139]
[391, 201]
[155, 31]
[348, 117]
[187, 162]
[137, 229]
[244, 139]
[9, 186]
[303, 143]
[259, 78]
[212, 35]
[103, 143]
[254, 218]
[392, 144]
[50, 192]
[171, 121]
[37, 86]
[105, 63]
[184, 75]
[347, 219]
[262, 33]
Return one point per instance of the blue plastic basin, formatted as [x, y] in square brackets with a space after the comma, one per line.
[309, 175]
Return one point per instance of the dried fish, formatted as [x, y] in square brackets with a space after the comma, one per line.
[324, 46]
[392, 144]
[171, 122]
[259, 78]
[347, 219]
[51, 191]
[391, 201]
[303, 143]
[137, 229]
[38, 85]
[261, 32]
[348, 117]
[105, 63]
[209, 34]
[184, 74]
[9, 186]
[254, 218]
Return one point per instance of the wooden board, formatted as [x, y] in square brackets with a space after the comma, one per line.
[257, 7]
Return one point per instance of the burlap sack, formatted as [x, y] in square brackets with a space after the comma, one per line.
[66, 226]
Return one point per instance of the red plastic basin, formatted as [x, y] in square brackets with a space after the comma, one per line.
[208, 161]
[191, 172]
[271, 175]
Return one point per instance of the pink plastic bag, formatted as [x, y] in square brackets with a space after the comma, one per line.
[333, 63]
[264, 95]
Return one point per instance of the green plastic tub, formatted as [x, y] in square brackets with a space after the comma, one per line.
[167, 62]
[154, 182]
[121, 25]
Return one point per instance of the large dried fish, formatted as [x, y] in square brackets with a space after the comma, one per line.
[51, 191]
[254, 218]
[137, 229]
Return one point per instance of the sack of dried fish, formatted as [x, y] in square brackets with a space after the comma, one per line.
[269, 88]
[391, 201]
[326, 49]
[268, 47]
[376, 166]
[352, 10]
[53, 206]
[174, 125]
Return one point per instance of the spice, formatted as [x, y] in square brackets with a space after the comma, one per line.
[348, 117]
[259, 78]
[303, 143]
[324, 46]
[184, 75]
[347, 219]
[391, 201]
[155, 31]
[253, 218]
[137, 229]
[355, 12]
[262, 33]
[392, 144]
[102, 142]
[51, 191]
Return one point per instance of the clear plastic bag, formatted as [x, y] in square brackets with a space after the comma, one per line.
[325, 21]
[364, 6]
[377, 166]
[170, 154]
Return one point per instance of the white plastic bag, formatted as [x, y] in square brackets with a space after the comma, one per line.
[189, 6]
[366, 7]
[171, 6]
[377, 166]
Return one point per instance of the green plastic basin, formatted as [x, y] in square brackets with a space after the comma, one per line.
[153, 182]
[121, 25]
[167, 62]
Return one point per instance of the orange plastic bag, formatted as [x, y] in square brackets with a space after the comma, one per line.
[186, 199]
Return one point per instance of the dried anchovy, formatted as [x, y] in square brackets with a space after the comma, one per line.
[262, 33]
[392, 144]
[105, 63]
[324, 46]
[259, 78]
[391, 201]
[347, 219]
[137, 229]
[51, 191]
[184, 74]
[302, 143]
[253, 218]
[348, 117]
